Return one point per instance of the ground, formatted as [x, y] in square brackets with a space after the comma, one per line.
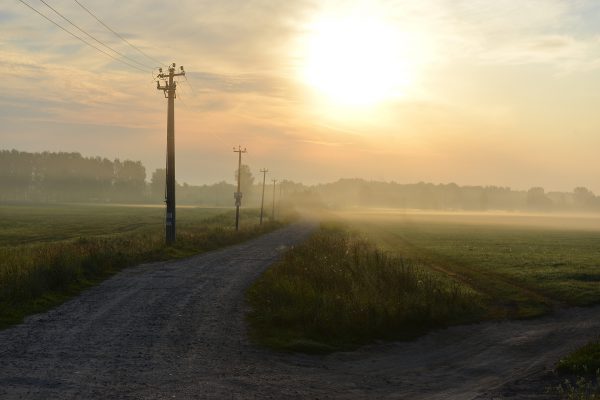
[177, 329]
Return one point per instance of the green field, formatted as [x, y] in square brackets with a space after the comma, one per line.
[23, 224]
[50, 253]
[337, 291]
[467, 267]
[524, 265]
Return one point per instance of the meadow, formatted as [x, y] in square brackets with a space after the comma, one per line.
[523, 264]
[508, 265]
[338, 290]
[49, 253]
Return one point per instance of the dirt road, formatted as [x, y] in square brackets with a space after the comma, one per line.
[176, 330]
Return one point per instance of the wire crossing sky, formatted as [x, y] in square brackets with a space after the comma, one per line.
[119, 36]
[92, 37]
[88, 35]
[474, 92]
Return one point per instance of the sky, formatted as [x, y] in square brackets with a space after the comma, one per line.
[475, 92]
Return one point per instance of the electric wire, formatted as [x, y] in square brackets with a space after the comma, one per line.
[81, 39]
[180, 98]
[92, 37]
[189, 84]
[189, 108]
[118, 35]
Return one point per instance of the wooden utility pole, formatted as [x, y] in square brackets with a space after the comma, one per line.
[279, 200]
[273, 210]
[169, 88]
[238, 195]
[262, 199]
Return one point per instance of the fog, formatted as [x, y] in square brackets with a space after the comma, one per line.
[522, 219]
[70, 177]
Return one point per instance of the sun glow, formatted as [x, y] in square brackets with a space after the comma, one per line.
[357, 59]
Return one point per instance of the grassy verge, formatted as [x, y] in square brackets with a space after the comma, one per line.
[583, 361]
[578, 387]
[338, 291]
[38, 276]
[580, 374]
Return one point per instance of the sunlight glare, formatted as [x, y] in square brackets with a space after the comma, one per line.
[357, 59]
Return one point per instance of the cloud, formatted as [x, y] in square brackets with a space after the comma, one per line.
[326, 143]
[562, 52]
[240, 83]
[240, 59]
[559, 33]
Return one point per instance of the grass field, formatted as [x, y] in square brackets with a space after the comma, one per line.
[523, 265]
[20, 225]
[50, 253]
[508, 265]
[584, 361]
[338, 290]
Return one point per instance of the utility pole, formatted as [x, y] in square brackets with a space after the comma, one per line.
[279, 200]
[238, 195]
[169, 88]
[262, 199]
[273, 210]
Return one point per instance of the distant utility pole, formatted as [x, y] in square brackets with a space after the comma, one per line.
[262, 199]
[279, 200]
[169, 88]
[273, 210]
[238, 195]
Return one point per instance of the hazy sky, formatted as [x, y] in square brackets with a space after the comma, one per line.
[496, 92]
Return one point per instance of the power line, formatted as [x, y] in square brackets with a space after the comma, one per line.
[92, 37]
[81, 39]
[118, 35]
[188, 83]
[189, 108]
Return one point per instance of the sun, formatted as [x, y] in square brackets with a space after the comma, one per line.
[357, 59]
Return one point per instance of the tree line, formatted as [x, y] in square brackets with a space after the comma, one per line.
[71, 177]
[62, 177]
[361, 193]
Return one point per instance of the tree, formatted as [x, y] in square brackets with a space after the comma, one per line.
[157, 183]
[584, 198]
[130, 180]
[246, 180]
[537, 199]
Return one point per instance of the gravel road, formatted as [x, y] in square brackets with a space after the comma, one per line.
[176, 330]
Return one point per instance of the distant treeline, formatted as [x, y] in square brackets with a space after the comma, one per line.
[358, 192]
[51, 177]
[70, 177]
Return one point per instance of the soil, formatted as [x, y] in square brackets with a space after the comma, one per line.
[177, 330]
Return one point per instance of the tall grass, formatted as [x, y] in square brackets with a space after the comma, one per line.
[34, 277]
[583, 361]
[339, 291]
[582, 387]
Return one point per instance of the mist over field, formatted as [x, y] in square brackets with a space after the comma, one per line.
[70, 177]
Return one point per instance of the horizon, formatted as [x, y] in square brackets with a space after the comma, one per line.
[311, 184]
[470, 92]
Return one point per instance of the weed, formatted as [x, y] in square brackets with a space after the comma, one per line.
[586, 358]
[583, 387]
[338, 291]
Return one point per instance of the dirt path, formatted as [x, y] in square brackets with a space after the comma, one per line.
[176, 330]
